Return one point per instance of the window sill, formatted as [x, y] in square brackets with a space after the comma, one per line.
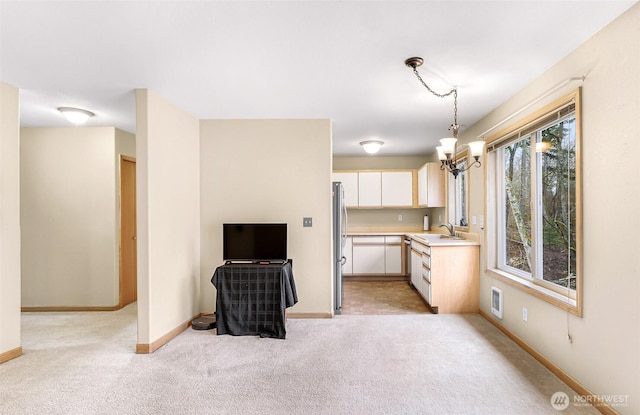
[545, 294]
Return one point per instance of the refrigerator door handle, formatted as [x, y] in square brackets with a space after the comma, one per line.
[346, 224]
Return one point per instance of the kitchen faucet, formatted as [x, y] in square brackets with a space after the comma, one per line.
[450, 228]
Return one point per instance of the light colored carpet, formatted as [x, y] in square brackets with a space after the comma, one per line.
[83, 363]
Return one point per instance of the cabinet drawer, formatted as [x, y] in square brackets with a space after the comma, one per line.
[368, 240]
[426, 291]
[426, 273]
[393, 239]
[418, 247]
[426, 260]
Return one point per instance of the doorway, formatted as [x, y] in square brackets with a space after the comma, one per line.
[128, 237]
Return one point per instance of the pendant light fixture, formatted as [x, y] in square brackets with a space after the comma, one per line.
[447, 150]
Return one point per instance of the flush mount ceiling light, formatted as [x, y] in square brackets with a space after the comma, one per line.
[76, 116]
[448, 149]
[371, 146]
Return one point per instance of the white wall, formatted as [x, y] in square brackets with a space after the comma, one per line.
[69, 181]
[168, 214]
[270, 171]
[9, 220]
[605, 353]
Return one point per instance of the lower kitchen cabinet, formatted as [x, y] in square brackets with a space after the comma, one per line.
[377, 255]
[368, 259]
[393, 255]
[447, 277]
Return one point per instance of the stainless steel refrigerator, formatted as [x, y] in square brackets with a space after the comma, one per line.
[339, 241]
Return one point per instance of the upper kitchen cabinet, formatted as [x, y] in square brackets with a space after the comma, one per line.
[431, 190]
[370, 189]
[349, 181]
[397, 188]
[377, 189]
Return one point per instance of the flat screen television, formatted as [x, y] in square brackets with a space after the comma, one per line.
[256, 242]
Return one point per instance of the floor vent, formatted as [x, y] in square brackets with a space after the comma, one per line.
[496, 302]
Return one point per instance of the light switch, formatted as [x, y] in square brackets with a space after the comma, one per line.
[307, 222]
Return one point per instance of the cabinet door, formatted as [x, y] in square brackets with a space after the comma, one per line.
[431, 190]
[393, 259]
[350, 182]
[368, 259]
[422, 186]
[435, 185]
[370, 189]
[397, 188]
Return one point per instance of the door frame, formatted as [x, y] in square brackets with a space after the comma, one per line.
[123, 158]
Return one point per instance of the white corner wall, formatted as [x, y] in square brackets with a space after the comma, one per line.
[168, 214]
[69, 182]
[605, 353]
[270, 171]
[9, 222]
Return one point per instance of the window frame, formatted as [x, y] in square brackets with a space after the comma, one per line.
[452, 192]
[565, 298]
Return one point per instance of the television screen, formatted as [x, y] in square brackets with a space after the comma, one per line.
[254, 241]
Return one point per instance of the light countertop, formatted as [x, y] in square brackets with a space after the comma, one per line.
[417, 234]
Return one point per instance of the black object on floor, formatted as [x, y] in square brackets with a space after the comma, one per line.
[206, 322]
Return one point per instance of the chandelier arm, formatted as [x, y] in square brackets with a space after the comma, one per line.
[475, 163]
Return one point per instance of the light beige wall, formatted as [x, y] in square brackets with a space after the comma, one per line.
[168, 214]
[68, 211]
[270, 171]
[375, 162]
[9, 219]
[605, 353]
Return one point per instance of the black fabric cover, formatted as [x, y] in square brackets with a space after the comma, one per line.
[251, 298]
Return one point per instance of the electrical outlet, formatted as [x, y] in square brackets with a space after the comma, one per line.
[399, 218]
[307, 222]
[525, 314]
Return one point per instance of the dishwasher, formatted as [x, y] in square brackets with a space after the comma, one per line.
[406, 252]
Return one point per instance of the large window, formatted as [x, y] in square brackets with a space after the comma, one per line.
[534, 204]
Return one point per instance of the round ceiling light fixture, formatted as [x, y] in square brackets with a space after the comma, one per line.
[371, 146]
[76, 116]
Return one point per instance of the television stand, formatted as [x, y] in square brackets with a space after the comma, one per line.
[251, 298]
[276, 262]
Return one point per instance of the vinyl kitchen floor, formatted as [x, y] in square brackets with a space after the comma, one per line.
[381, 297]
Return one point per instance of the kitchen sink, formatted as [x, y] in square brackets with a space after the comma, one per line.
[432, 236]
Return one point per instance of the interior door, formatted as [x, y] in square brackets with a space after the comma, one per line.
[128, 242]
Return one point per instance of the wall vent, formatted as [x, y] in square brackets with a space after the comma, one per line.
[496, 302]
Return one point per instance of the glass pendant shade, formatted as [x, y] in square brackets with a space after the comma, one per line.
[476, 148]
[448, 145]
[441, 155]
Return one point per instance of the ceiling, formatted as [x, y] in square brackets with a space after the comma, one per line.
[342, 60]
